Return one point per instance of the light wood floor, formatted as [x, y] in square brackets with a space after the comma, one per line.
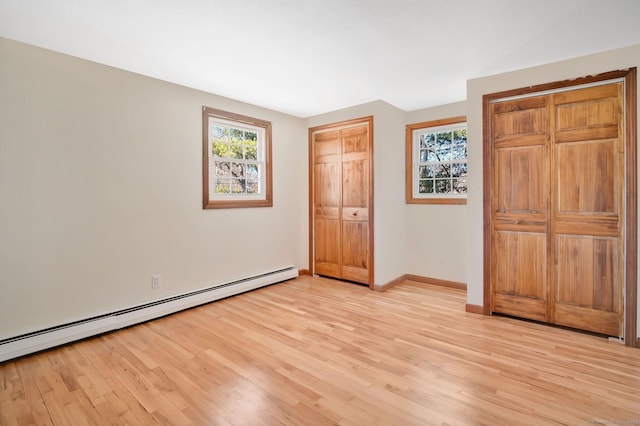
[316, 351]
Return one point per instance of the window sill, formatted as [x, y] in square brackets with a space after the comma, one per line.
[437, 201]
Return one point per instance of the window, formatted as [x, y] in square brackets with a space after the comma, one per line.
[436, 162]
[236, 160]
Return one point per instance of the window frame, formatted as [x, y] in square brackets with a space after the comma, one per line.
[228, 201]
[411, 149]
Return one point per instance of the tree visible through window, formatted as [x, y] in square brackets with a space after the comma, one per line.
[237, 151]
[437, 161]
[235, 155]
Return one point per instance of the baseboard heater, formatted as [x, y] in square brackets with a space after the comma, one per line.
[48, 338]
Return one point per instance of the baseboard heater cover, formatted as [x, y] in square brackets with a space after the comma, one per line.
[55, 336]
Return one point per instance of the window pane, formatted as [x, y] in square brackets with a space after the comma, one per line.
[460, 136]
[443, 186]
[443, 138]
[460, 185]
[251, 137]
[237, 136]
[459, 169]
[427, 148]
[237, 169]
[219, 133]
[236, 151]
[251, 153]
[443, 146]
[423, 143]
[425, 187]
[220, 149]
[422, 171]
[238, 186]
[252, 171]
[430, 139]
[443, 170]
[223, 169]
[459, 152]
[222, 186]
[427, 141]
[253, 186]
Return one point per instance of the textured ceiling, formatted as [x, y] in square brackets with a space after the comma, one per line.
[306, 57]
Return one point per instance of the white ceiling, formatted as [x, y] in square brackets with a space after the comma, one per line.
[306, 57]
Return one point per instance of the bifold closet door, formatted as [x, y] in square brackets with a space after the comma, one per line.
[557, 196]
[341, 201]
[355, 204]
[588, 209]
[520, 204]
[327, 176]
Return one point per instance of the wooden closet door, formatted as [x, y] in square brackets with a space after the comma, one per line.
[355, 204]
[327, 203]
[587, 209]
[520, 181]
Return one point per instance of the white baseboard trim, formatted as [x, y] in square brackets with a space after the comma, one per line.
[37, 341]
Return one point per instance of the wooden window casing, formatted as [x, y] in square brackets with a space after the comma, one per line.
[260, 197]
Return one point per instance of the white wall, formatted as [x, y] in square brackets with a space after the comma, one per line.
[569, 69]
[436, 234]
[100, 187]
[389, 208]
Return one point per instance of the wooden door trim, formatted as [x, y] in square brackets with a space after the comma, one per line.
[486, 201]
[631, 213]
[337, 126]
[631, 173]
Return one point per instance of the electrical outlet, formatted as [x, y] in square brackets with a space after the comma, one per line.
[156, 281]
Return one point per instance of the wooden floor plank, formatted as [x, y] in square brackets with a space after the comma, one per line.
[318, 351]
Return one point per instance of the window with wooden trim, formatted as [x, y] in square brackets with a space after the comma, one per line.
[436, 162]
[236, 160]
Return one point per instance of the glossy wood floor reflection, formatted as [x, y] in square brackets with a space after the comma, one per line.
[317, 351]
